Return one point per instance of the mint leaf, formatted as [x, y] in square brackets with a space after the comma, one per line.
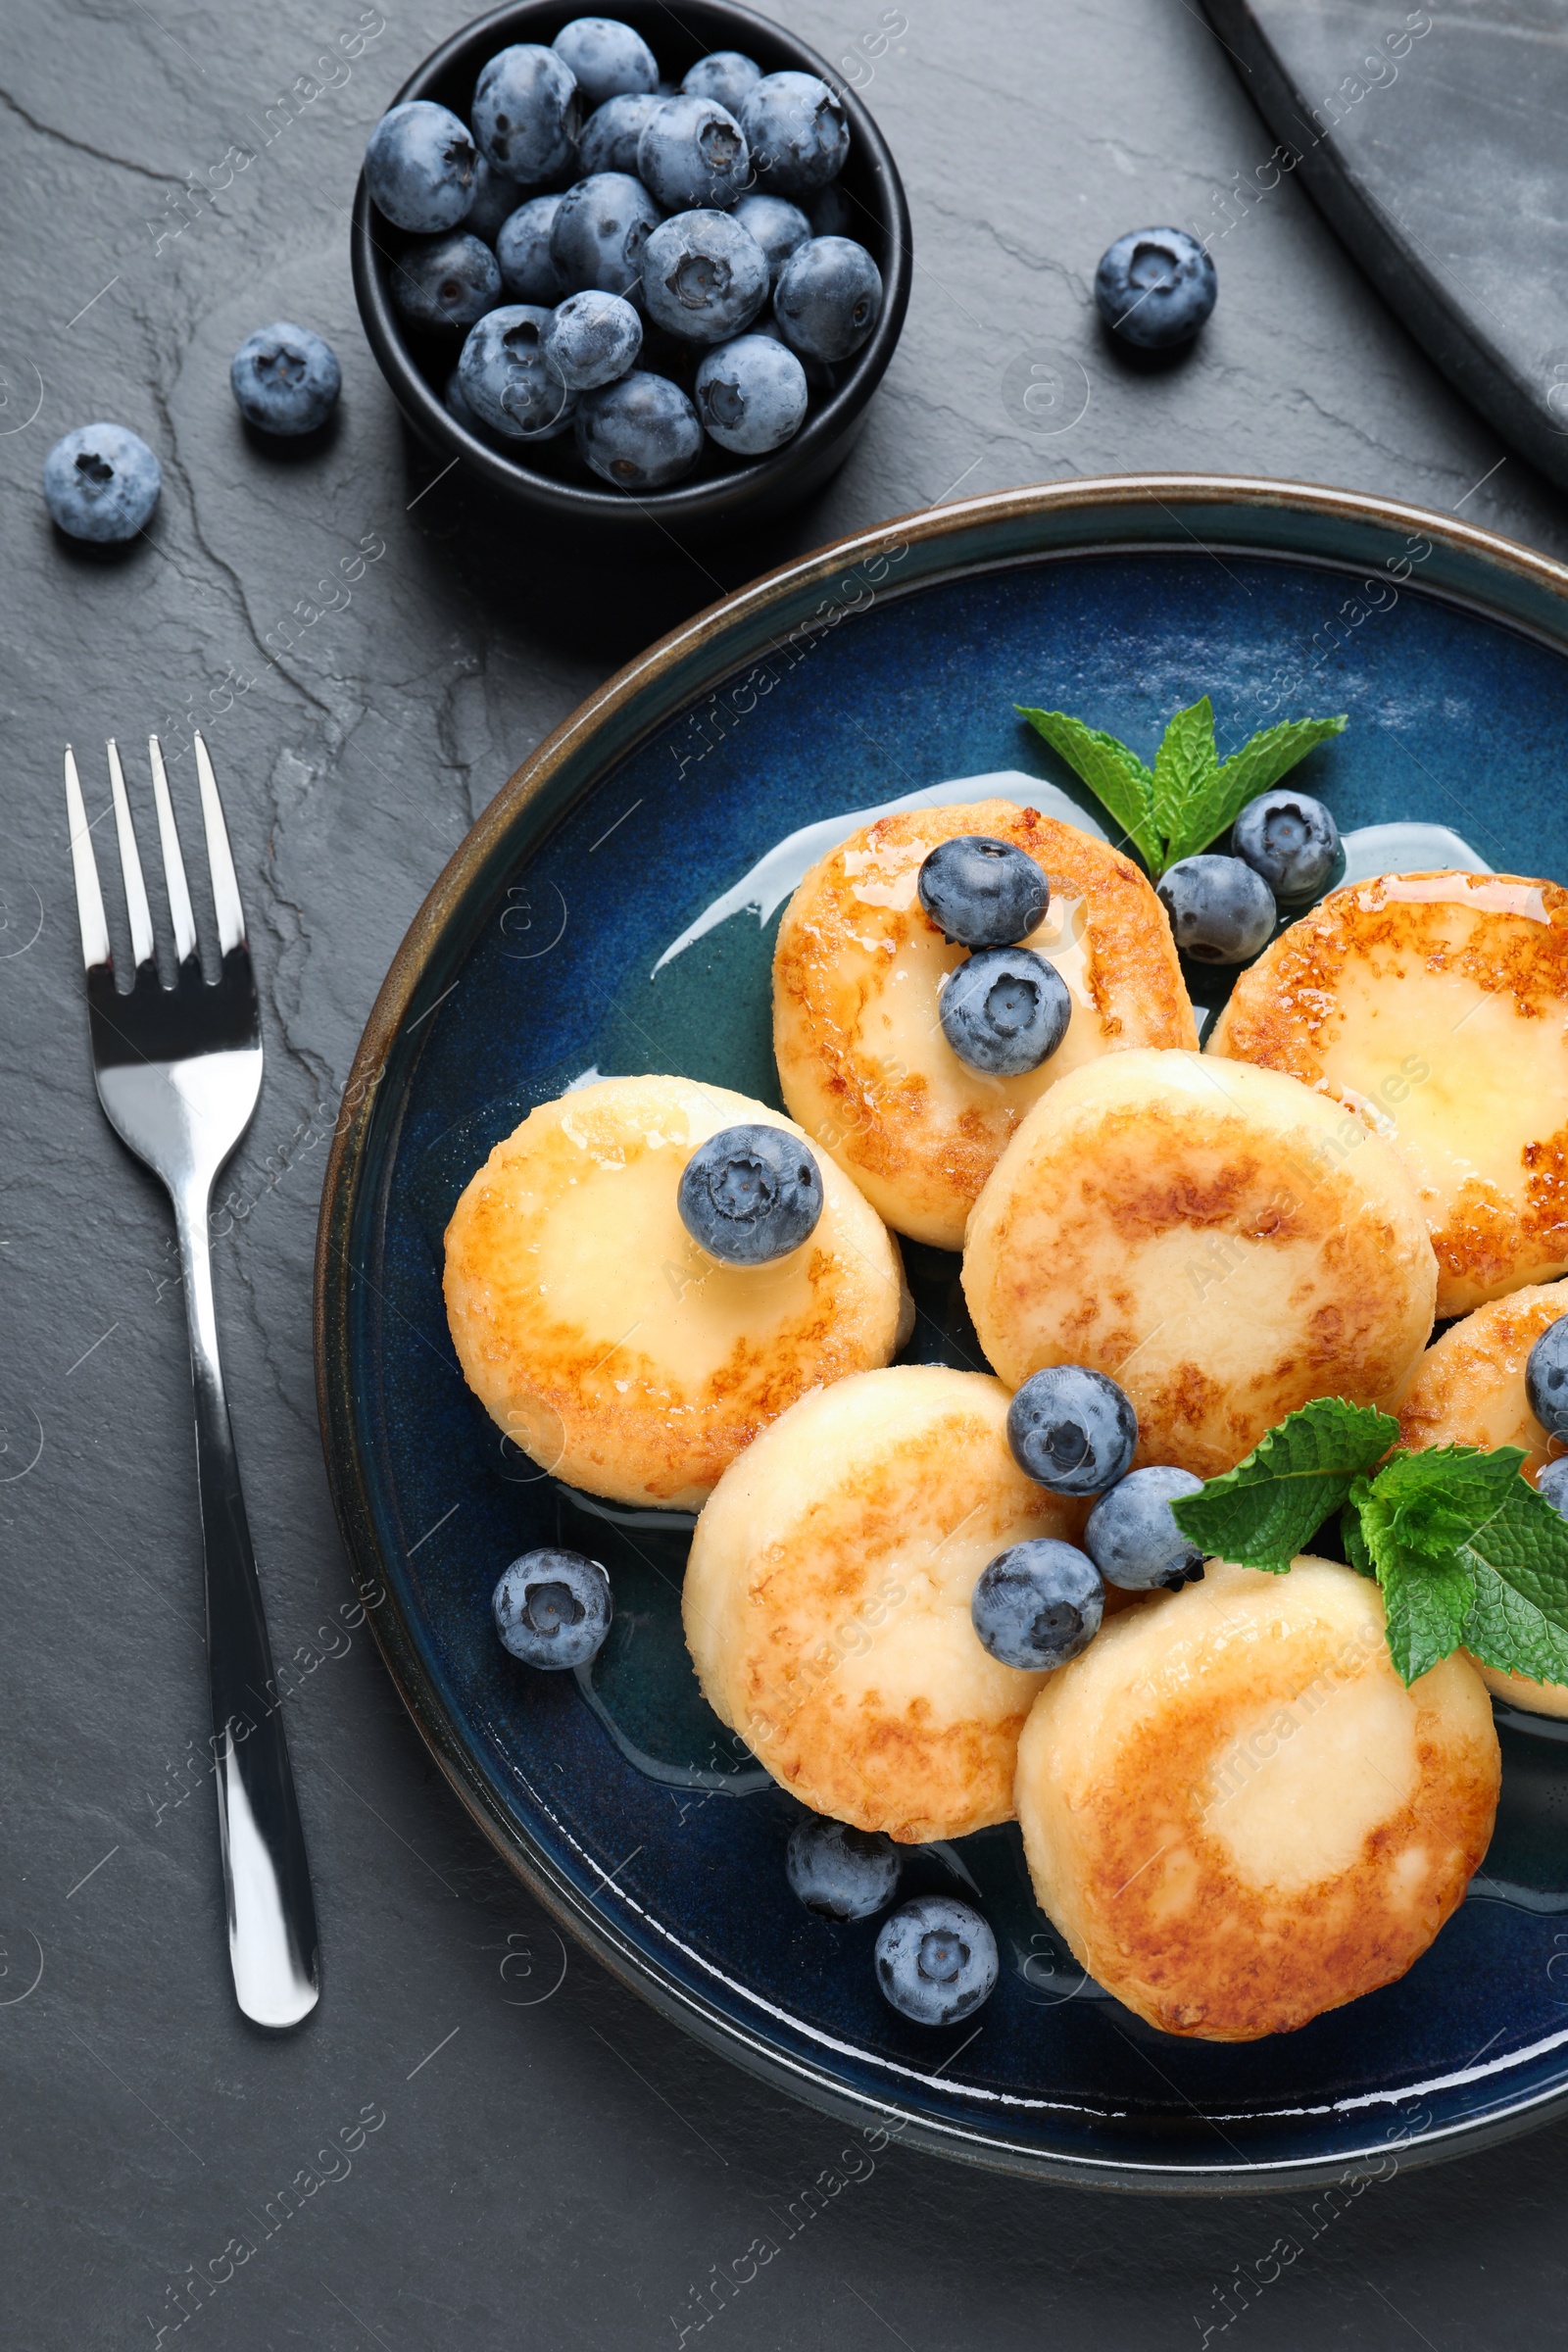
[1427, 1594]
[1184, 766]
[1114, 773]
[1435, 1501]
[1262, 762]
[1505, 1629]
[1261, 1513]
[1355, 1544]
[1519, 1621]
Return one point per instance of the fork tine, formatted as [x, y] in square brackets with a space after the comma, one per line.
[179, 908]
[84, 868]
[136, 907]
[226, 889]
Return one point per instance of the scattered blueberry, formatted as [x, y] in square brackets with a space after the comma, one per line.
[1222, 911]
[552, 1607]
[795, 130]
[495, 199]
[751, 1195]
[522, 249]
[285, 379]
[606, 58]
[527, 112]
[1004, 1011]
[1287, 838]
[1156, 287]
[828, 298]
[704, 279]
[1547, 1379]
[1132, 1538]
[936, 1960]
[446, 281]
[504, 377]
[592, 339]
[101, 483]
[1553, 1484]
[1037, 1604]
[777, 226]
[420, 166]
[601, 233]
[609, 136]
[751, 395]
[726, 76]
[1072, 1430]
[840, 1872]
[639, 434]
[693, 153]
[832, 215]
[982, 892]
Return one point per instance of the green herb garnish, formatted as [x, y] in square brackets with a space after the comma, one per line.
[1189, 795]
[1466, 1553]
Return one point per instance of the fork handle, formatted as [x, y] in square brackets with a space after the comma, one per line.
[272, 1944]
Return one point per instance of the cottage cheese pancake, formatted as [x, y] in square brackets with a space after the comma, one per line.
[1220, 1240]
[1236, 1814]
[603, 1341]
[857, 973]
[1437, 1006]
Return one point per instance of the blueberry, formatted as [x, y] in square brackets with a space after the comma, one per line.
[751, 395]
[833, 215]
[609, 136]
[1287, 838]
[639, 434]
[1553, 1481]
[503, 373]
[936, 1960]
[495, 199]
[606, 58]
[1132, 1538]
[828, 298]
[705, 277]
[600, 234]
[523, 250]
[1221, 912]
[751, 1195]
[777, 226]
[420, 166]
[101, 483]
[527, 112]
[552, 1607]
[982, 892]
[1004, 1011]
[456, 401]
[285, 379]
[1071, 1429]
[1547, 1379]
[795, 130]
[1037, 1604]
[592, 339]
[693, 152]
[840, 1873]
[1156, 287]
[724, 76]
[446, 281]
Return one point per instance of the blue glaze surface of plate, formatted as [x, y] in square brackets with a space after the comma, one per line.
[625, 1802]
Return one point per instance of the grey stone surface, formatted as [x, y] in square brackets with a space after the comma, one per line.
[556, 2167]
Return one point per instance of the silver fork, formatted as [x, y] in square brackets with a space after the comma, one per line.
[178, 1071]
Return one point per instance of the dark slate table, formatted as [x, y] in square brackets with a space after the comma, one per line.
[526, 2155]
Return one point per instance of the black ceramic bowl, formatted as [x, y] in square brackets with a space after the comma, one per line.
[549, 480]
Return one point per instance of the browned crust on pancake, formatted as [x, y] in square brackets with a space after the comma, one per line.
[1468, 1388]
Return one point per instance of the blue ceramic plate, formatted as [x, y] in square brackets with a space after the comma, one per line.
[888, 667]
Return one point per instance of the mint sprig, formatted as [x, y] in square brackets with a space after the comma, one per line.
[1178, 806]
[1466, 1553]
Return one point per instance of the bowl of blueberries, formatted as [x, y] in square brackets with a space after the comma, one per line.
[639, 271]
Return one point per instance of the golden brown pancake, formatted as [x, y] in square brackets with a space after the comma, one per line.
[600, 1337]
[1437, 1006]
[828, 1599]
[1469, 1390]
[1236, 1814]
[1219, 1238]
[857, 972]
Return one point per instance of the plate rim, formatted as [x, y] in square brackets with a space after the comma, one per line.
[1479, 569]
